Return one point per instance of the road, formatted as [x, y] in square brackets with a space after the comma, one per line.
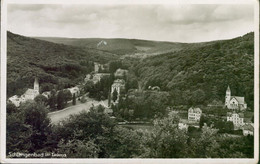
[57, 116]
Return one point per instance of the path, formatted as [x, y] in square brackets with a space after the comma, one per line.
[57, 116]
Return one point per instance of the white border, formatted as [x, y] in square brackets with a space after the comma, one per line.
[69, 160]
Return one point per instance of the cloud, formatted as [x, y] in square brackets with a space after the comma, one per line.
[183, 23]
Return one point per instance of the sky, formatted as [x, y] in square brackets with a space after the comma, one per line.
[172, 22]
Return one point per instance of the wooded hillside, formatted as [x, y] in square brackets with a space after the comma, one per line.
[203, 72]
[54, 64]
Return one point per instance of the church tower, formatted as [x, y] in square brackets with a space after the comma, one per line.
[228, 97]
[36, 85]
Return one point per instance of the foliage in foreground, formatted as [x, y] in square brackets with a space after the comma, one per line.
[94, 134]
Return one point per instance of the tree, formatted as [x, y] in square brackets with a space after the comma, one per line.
[109, 98]
[88, 126]
[198, 97]
[52, 100]
[62, 99]
[229, 126]
[61, 102]
[10, 108]
[206, 141]
[83, 99]
[166, 140]
[18, 134]
[126, 143]
[74, 99]
[79, 149]
[41, 99]
[35, 115]
[115, 95]
[88, 86]
[67, 95]
[202, 121]
[100, 109]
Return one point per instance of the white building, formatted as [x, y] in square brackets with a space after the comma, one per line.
[47, 94]
[194, 114]
[236, 118]
[30, 94]
[248, 129]
[88, 77]
[16, 100]
[117, 86]
[74, 90]
[234, 102]
[182, 125]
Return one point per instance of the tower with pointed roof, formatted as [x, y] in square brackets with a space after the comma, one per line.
[228, 97]
[36, 85]
[234, 102]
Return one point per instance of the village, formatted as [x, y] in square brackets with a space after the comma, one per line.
[192, 117]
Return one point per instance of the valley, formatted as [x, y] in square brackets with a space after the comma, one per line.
[147, 86]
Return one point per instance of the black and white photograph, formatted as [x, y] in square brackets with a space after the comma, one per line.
[129, 80]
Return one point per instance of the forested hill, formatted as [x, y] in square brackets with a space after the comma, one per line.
[200, 75]
[54, 64]
[192, 73]
[122, 46]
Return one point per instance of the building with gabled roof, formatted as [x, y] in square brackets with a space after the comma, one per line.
[234, 102]
[74, 90]
[194, 114]
[117, 86]
[248, 129]
[236, 118]
[29, 94]
[16, 100]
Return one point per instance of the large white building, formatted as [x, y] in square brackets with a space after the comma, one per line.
[117, 86]
[30, 94]
[236, 118]
[234, 102]
[194, 114]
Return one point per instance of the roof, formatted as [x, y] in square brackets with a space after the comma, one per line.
[230, 114]
[248, 127]
[240, 100]
[228, 89]
[184, 121]
[102, 74]
[195, 110]
[241, 115]
[30, 92]
[36, 80]
[119, 81]
[247, 120]
[46, 92]
[14, 97]
[108, 110]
